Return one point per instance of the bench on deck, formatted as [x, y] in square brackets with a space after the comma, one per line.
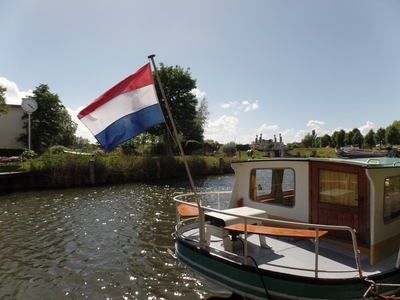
[276, 231]
[188, 211]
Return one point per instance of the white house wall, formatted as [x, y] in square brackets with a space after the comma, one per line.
[11, 127]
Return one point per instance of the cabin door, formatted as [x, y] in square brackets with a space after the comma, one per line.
[339, 197]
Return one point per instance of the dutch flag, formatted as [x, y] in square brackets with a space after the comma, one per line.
[124, 111]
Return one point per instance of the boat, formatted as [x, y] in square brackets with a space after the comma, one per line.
[297, 228]
[356, 152]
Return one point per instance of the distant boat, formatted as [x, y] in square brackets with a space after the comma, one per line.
[356, 152]
[304, 228]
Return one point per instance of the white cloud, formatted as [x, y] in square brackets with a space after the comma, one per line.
[265, 127]
[246, 105]
[315, 124]
[199, 94]
[228, 105]
[223, 130]
[367, 127]
[250, 106]
[297, 137]
[13, 95]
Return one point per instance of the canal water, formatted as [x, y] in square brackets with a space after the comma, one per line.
[98, 243]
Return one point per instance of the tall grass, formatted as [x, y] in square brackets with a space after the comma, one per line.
[67, 170]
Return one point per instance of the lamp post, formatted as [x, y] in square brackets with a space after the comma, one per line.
[29, 105]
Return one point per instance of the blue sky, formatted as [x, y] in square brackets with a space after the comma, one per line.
[266, 67]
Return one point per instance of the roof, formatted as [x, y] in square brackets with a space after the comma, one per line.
[376, 162]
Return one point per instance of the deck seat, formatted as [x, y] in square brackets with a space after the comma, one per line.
[275, 231]
[188, 211]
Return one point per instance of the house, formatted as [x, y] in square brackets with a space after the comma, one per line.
[11, 126]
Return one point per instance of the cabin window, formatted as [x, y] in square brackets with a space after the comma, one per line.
[339, 188]
[275, 186]
[391, 209]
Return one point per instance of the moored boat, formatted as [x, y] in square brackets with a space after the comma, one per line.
[309, 228]
[356, 152]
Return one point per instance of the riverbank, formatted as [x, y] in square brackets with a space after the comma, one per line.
[64, 170]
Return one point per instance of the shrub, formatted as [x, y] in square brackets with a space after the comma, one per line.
[57, 149]
[229, 149]
[28, 153]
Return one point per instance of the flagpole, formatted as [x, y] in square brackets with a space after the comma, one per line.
[173, 125]
[201, 212]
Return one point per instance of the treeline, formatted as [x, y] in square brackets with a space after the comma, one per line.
[388, 136]
[51, 125]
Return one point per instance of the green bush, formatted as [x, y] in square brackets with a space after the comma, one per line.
[57, 149]
[229, 149]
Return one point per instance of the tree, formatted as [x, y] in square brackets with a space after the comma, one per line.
[50, 124]
[357, 138]
[369, 139]
[334, 138]
[82, 143]
[4, 108]
[178, 85]
[392, 135]
[338, 138]
[309, 140]
[396, 124]
[380, 137]
[128, 147]
[325, 140]
[202, 115]
[348, 138]
[200, 122]
[67, 134]
[213, 143]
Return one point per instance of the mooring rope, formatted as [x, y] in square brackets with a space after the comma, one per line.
[374, 289]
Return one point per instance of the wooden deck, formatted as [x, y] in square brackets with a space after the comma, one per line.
[293, 256]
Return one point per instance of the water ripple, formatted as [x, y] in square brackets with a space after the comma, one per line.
[96, 243]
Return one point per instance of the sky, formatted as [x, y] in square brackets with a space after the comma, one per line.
[266, 67]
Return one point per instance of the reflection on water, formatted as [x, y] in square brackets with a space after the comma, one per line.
[97, 243]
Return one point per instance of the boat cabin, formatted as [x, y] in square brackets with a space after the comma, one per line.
[363, 194]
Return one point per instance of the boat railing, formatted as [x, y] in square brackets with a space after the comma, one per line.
[204, 207]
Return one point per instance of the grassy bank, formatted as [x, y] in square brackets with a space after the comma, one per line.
[69, 170]
[313, 152]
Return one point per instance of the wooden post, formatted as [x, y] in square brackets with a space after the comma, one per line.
[91, 168]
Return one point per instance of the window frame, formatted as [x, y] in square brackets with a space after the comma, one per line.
[288, 196]
[339, 187]
[388, 219]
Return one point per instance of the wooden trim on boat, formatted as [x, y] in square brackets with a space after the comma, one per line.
[188, 211]
[383, 249]
[276, 231]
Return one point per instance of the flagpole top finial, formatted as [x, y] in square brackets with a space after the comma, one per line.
[151, 56]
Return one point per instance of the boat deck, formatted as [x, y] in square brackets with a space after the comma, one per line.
[293, 256]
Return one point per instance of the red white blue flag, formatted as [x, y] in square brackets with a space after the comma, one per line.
[124, 111]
